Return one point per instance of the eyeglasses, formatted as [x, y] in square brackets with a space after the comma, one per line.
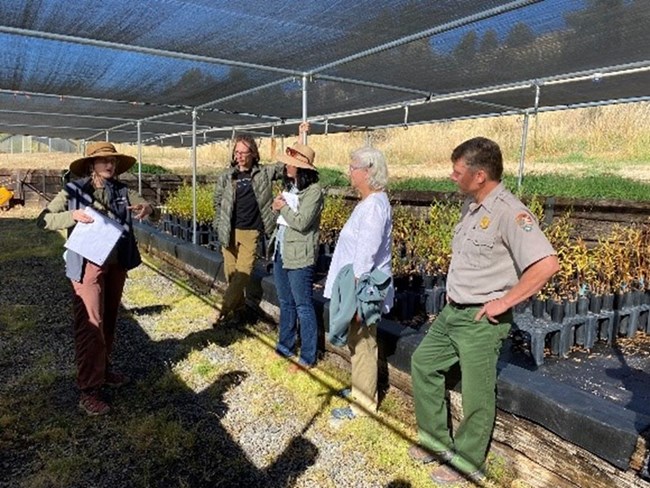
[351, 168]
[242, 153]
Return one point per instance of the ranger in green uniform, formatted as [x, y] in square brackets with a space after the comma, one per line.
[500, 257]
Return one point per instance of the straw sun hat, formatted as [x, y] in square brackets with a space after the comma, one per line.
[94, 150]
[300, 156]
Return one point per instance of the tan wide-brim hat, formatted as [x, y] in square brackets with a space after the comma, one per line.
[300, 156]
[79, 167]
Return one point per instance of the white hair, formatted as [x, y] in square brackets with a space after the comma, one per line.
[375, 161]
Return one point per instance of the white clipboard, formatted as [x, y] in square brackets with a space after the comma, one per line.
[96, 240]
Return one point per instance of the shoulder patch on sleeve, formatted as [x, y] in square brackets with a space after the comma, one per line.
[525, 221]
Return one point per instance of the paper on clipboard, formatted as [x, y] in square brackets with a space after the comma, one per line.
[96, 240]
[292, 202]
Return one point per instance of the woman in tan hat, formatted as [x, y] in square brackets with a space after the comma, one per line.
[97, 287]
[295, 252]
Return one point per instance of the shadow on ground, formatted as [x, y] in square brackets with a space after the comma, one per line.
[160, 432]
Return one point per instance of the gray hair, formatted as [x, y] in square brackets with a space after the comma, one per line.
[375, 161]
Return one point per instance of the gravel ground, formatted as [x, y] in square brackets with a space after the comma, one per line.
[205, 407]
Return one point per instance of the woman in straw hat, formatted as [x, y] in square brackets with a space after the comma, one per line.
[359, 280]
[97, 288]
[295, 245]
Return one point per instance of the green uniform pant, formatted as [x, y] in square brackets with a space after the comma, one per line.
[238, 262]
[456, 337]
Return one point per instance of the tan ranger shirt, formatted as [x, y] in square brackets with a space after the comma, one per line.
[494, 242]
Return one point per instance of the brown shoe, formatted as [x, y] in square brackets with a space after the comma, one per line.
[116, 379]
[218, 319]
[226, 319]
[298, 368]
[445, 475]
[91, 403]
[422, 455]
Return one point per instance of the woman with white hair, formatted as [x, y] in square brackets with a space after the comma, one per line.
[362, 256]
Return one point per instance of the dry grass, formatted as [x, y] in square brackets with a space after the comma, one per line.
[612, 139]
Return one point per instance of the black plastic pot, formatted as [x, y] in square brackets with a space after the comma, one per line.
[323, 263]
[434, 299]
[643, 321]
[538, 308]
[570, 308]
[428, 281]
[557, 311]
[521, 307]
[166, 223]
[608, 301]
[583, 305]
[416, 282]
[595, 303]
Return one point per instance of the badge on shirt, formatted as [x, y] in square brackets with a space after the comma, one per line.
[525, 221]
[485, 222]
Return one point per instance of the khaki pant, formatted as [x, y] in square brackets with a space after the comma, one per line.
[238, 262]
[95, 304]
[362, 342]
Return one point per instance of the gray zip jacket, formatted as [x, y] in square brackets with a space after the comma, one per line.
[224, 198]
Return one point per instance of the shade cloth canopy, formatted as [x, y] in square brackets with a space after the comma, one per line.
[88, 68]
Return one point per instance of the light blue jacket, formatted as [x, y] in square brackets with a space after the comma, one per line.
[366, 299]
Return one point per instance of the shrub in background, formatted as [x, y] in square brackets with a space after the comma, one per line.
[180, 203]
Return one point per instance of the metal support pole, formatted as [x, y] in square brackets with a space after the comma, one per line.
[194, 176]
[524, 138]
[140, 157]
[106, 136]
[304, 106]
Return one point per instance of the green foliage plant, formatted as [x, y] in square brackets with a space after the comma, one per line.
[563, 284]
[336, 212]
[432, 241]
[332, 178]
[180, 203]
[151, 169]
[406, 226]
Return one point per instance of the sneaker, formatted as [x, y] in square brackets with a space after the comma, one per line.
[343, 413]
[116, 379]
[91, 403]
[344, 393]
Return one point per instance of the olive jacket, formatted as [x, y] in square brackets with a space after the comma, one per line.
[300, 246]
[224, 198]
